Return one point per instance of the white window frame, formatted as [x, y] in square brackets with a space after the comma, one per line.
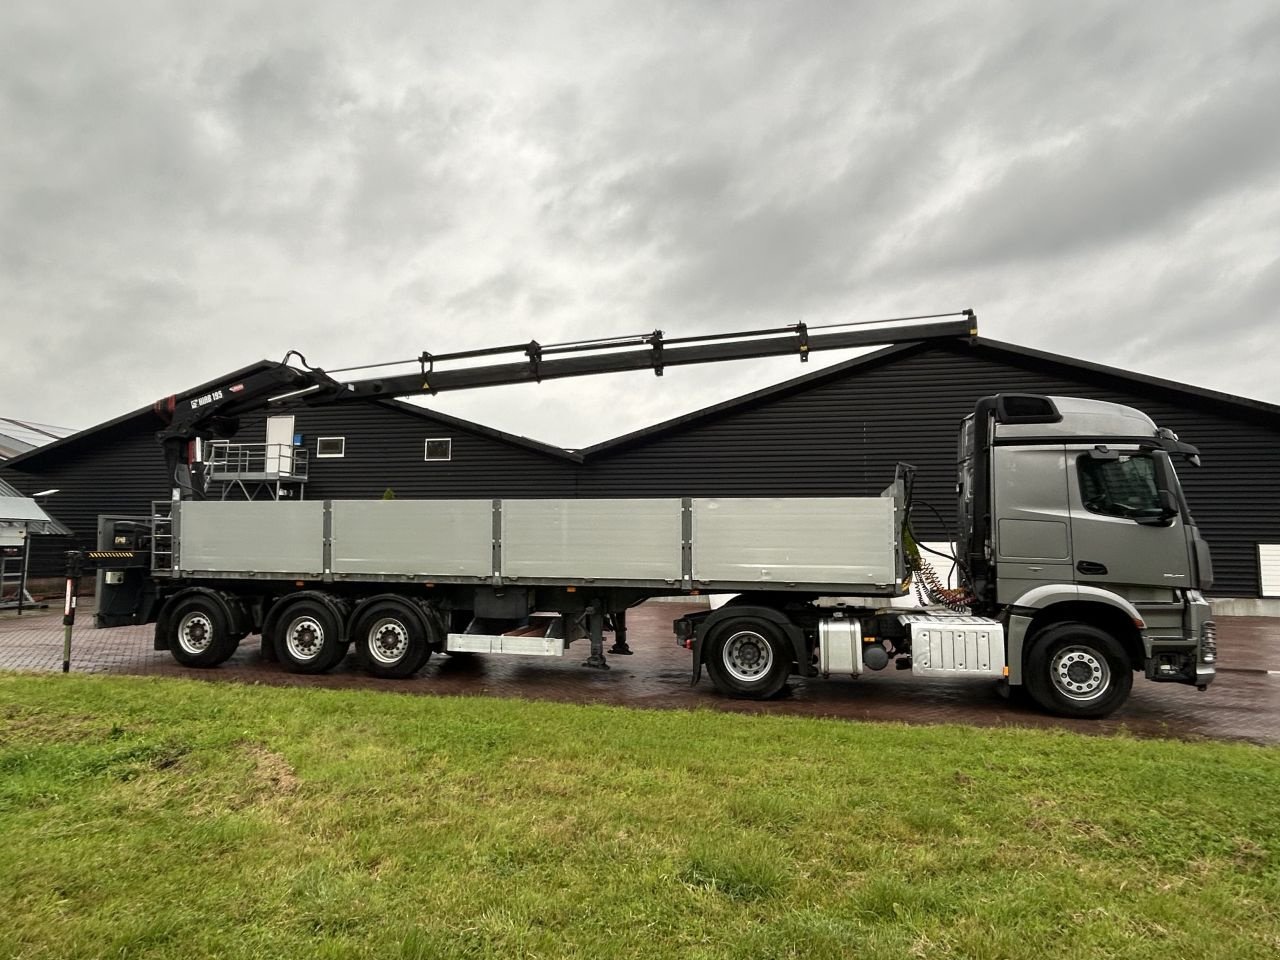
[431, 440]
[331, 456]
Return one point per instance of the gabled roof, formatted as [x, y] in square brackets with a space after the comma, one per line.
[1024, 356]
[501, 435]
[787, 387]
[23, 460]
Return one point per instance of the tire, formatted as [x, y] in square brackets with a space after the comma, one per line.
[749, 658]
[1077, 670]
[391, 639]
[308, 637]
[200, 633]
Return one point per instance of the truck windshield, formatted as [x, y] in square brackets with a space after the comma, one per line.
[1125, 487]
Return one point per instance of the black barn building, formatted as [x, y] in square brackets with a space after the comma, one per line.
[118, 467]
[839, 431]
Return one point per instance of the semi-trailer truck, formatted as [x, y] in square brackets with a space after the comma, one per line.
[1079, 561]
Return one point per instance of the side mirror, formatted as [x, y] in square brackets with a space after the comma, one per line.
[1168, 502]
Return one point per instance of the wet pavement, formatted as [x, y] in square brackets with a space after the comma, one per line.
[1242, 704]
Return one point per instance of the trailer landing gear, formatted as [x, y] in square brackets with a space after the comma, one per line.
[620, 647]
[595, 624]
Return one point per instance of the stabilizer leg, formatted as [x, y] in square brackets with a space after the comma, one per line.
[620, 635]
[595, 621]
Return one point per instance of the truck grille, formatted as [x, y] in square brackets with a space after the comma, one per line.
[1208, 642]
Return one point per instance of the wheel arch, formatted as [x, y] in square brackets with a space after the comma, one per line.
[237, 614]
[1109, 617]
[277, 609]
[429, 618]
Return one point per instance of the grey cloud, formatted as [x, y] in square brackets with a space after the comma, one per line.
[1120, 181]
[184, 189]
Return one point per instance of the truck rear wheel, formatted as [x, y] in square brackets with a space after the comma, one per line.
[748, 657]
[200, 634]
[1077, 670]
[308, 637]
[391, 640]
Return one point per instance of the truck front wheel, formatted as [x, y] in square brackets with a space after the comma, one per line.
[748, 657]
[1077, 670]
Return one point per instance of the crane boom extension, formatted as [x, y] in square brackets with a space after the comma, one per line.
[214, 412]
[653, 353]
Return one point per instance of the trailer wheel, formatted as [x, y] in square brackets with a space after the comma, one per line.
[200, 633]
[391, 640]
[748, 657]
[1077, 670]
[308, 637]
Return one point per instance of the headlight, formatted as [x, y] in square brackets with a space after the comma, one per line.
[1208, 642]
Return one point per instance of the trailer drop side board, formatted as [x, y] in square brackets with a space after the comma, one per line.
[690, 543]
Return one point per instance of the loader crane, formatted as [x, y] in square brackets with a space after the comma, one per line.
[214, 413]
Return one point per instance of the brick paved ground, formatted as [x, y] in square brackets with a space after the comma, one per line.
[1242, 704]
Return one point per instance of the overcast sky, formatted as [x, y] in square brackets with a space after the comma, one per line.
[188, 187]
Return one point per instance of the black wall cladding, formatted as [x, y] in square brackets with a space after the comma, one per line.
[842, 436]
[837, 433]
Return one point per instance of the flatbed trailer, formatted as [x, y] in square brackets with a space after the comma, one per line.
[509, 576]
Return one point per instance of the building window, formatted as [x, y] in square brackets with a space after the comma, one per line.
[438, 450]
[331, 446]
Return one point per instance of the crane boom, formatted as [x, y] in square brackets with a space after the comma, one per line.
[215, 412]
[651, 351]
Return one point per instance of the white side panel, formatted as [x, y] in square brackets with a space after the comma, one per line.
[955, 646]
[422, 538]
[601, 539]
[496, 643]
[1269, 568]
[263, 537]
[795, 540]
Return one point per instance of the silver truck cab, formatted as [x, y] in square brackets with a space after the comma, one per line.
[1075, 515]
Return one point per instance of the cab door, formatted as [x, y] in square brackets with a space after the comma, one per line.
[1031, 519]
[1121, 534]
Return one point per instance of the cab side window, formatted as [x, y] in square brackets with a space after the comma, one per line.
[1125, 487]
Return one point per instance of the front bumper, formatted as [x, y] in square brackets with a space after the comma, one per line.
[1192, 658]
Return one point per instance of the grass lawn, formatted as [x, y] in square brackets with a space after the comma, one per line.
[163, 818]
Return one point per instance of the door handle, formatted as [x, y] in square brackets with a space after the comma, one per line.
[1092, 567]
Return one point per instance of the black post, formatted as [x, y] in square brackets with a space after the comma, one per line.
[620, 635]
[26, 559]
[74, 566]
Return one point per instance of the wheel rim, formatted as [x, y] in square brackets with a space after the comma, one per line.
[304, 638]
[1080, 673]
[747, 656]
[195, 633]
[388, 641]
